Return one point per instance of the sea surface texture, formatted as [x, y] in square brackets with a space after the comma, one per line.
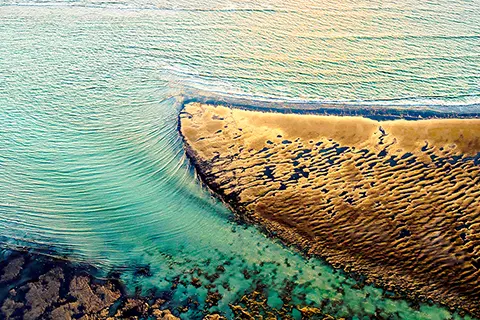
[91, 162]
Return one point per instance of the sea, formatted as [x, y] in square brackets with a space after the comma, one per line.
[92, 165]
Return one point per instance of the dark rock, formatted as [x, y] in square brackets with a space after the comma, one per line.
[12, 270]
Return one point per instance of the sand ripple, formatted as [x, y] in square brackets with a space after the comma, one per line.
[398, 201]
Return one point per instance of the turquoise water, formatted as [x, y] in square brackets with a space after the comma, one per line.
[92, 166]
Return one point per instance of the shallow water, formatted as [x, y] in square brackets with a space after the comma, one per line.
[91, 163]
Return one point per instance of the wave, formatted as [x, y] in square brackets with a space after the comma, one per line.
[191, 86]
[222, 6]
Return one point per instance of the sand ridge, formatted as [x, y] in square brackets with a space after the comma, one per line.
[398, 201]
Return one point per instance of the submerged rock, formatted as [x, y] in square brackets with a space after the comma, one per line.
[164, 315]
[12, 270]
[47, 288]
[214, 317]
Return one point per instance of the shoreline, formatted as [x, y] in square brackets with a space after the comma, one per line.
[281, 228]
[374, 112]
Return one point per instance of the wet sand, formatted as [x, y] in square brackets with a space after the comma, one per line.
[397, 201]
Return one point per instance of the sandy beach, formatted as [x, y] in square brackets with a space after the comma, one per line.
[397, 201]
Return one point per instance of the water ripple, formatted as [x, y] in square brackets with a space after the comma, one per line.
[91, 163]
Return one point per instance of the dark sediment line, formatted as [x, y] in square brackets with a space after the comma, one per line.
[374, 112]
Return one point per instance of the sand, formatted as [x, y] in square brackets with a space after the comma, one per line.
[397, 201]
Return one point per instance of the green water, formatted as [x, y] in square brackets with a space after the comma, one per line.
[91, 164]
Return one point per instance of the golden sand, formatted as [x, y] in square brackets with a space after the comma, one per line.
[398, 201]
